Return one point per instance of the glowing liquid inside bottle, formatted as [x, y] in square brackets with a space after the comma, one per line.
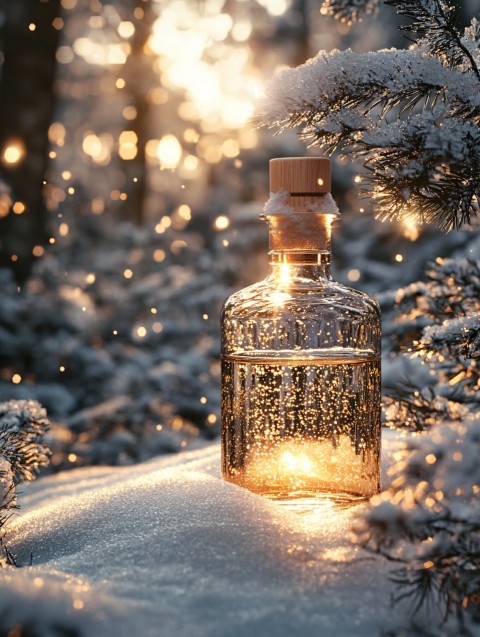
[302, 424]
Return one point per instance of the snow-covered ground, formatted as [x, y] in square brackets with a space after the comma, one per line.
[166, 548]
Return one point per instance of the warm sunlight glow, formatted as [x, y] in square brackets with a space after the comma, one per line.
[306, 465]
[100, 53]
[126, 29]
[274, 7]
[278, 297]
[14, 152]
[128, 145]
[195, 54]
[169, 151]
[98, 148]
[18, 208]
[295, 463]
[222, 222]
[353, 275]
[285, 273]
[410, 230]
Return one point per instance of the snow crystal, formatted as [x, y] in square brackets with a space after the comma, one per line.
[167, 547]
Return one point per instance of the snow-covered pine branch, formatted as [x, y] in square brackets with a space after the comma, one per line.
[407, 406]
[349, 10]
[428, 521]
[435, 20]
[451, 288]
[22, 426]
[419, 318]
[458, 336]
[412, 117]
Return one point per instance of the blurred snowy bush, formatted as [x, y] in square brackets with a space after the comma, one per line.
[123, 350]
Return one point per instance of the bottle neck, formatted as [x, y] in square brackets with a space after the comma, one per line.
[299, 245]
[309, 265]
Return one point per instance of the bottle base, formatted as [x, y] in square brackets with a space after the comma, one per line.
[304, 502]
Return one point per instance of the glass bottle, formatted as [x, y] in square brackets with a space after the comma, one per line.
[301, 359]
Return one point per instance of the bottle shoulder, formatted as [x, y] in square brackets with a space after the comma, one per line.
[268, 298]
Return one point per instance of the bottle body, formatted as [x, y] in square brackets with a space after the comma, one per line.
[301, 385]
[301, 359]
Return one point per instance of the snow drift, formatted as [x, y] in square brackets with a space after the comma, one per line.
[167, 548]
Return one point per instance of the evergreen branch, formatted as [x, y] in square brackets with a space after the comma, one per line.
[455, 284]
[422, 311]
[344, 81]
[459, 337]
[424, 165]
[449, 346]
[422, 168]
[408, 407]
[8, 503]
[425, 168]
[449, 574]
[22, 425]
[427, 521]
[452, 288]
[349, 10]
[436, 21]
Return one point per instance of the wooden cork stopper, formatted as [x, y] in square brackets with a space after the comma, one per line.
[300, 176]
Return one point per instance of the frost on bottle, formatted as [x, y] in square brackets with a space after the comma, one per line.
[301, 359]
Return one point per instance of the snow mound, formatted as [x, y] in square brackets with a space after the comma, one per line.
[167, 548]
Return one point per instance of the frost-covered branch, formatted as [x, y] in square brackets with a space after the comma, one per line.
[456, 293]
[436, 20]
[459, 336]
[425, 168]
[452, 288]
[349, 10]
[428, 522]
[419, 409]
[411, 117]
[419, 319]
[345, 80]
[22, 426]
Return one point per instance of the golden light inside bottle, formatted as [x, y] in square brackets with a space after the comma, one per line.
[300, 423]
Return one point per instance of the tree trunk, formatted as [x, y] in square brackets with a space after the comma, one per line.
[28, 41]
[139, 79]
